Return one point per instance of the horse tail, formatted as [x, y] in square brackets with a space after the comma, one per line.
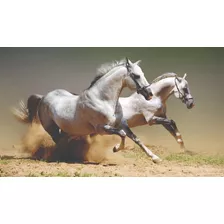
[28, 114]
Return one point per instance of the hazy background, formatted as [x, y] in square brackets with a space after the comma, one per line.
[25, 71]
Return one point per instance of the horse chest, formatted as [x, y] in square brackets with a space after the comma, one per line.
[155, 105]
[160, 109]
[136, 120]
[97, 113]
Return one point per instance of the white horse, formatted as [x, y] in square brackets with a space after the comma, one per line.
[137, 111]
[96, 110]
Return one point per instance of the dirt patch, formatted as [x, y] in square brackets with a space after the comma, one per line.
[130, 167]
[37, 155]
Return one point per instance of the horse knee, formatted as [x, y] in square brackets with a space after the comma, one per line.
[172, 122]
[122, 133]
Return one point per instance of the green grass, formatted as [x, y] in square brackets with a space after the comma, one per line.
[32, 175]
[79, 174]
[61, 174]
[4, 162]
[135, 153]
[189, 159]
[196, 159]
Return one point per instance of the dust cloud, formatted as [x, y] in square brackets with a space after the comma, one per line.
[38, 144]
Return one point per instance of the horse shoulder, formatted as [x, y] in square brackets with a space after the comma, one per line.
[129, 107]
[151, 108]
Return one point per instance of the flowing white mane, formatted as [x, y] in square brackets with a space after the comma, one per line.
[164, 76]
[105, 68]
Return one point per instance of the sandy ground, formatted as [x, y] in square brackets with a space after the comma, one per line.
[126, 163]
[38, 156]
[127, 167]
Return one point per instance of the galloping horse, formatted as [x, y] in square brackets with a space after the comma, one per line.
[137, 111]
[97, 109]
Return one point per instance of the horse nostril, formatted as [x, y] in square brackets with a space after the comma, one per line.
[150, 96]
[191, 105]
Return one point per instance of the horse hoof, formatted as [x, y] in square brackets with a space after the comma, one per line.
[116, 148]
[156, 160]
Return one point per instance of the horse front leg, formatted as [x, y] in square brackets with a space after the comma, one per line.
[120, 146]
[109, 130]
[170, 125]
[134, 138]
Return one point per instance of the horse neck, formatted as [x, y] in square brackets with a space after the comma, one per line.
[109, 87]
[163, 88]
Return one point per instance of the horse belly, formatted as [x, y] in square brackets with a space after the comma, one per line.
[136, 120]
[160, 112]
[74, 125]
[102, 118]
[66, 117]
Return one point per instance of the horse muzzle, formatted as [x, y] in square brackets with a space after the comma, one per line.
[146, 92]
[190, 103]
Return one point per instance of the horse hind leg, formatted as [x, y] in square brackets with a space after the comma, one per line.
[48, 123]
[51, 128]
[53, 131]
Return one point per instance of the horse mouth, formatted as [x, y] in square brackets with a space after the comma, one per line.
[190, 106]
[150, 97]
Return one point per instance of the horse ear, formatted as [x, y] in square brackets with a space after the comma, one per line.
[185, 75]
[128, 63]
[178, 79]
[138, 62]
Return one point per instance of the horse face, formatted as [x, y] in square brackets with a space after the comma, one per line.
[136, 80]
[182, 91]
